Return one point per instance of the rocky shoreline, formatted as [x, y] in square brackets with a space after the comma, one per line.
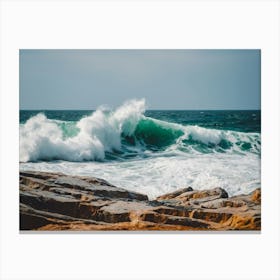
[55, 201]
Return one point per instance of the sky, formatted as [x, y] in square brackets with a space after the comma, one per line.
[167, 79]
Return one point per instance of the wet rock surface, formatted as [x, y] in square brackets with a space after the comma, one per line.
[54, 201]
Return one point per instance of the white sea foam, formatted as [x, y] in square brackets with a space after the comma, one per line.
[42, 138]
[158, 175]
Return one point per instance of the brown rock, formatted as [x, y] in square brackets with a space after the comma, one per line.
[256, 196]
[174, 194]
[54, 201]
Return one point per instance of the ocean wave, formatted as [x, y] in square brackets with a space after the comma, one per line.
[122, 133]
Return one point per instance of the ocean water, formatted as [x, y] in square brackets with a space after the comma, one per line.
[149, 151]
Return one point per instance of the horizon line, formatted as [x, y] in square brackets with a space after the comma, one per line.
[145, 110]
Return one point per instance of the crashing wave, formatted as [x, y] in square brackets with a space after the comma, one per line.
[124, 131]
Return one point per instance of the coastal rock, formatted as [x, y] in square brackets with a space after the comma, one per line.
[175, 194]
[55, 201]
[256, 196]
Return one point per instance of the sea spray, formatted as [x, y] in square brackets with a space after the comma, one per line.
[123, 133]
[42, 138]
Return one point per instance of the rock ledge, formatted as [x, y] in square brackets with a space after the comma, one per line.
[54, 201]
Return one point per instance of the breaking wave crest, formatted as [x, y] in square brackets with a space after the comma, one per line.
[122, 133]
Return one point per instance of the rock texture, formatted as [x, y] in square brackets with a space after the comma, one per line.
[53, 201]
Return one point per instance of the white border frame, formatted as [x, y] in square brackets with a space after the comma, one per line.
[132, 24]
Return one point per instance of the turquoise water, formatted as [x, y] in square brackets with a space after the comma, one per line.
[238, 120]
[152, 151]
[158, 136]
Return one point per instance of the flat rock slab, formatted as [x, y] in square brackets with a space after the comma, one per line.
[92, 186]
[55, 201]
[127, 207]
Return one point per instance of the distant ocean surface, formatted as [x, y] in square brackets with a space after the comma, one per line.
[149, 151]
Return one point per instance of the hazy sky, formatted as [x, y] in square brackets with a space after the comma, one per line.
[168, 79]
